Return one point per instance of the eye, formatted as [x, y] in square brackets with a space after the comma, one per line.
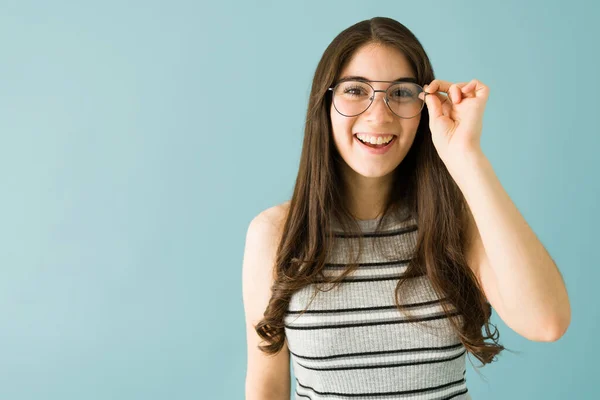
[402, 93]
[353, 90]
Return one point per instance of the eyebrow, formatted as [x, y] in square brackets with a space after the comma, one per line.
[362, 78]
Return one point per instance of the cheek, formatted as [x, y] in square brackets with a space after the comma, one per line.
[342, 128]
[409, 128]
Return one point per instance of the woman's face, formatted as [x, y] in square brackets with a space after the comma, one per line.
[380, 63]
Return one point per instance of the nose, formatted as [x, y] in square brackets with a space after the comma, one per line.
[379, 110]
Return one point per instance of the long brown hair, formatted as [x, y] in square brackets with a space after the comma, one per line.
[421, 182]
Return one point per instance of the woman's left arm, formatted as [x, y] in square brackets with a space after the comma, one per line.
[520, 279]
[518, 276]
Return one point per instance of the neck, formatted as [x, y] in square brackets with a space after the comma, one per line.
[366, 196]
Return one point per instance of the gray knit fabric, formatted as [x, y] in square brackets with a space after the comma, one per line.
[353, 343]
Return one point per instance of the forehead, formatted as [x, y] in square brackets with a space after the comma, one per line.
[378, 62]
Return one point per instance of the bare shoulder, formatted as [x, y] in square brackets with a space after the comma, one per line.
[268, 225]
[264, 234]
[274, 215]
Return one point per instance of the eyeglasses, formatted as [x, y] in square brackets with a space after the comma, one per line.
[354, 97]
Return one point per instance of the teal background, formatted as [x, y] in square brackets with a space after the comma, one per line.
[140, 138]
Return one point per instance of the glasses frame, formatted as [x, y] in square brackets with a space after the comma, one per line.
[372, 98]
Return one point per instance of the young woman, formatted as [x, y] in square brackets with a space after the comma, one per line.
[377, 277]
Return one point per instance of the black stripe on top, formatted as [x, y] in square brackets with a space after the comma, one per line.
[351, 278]
[395, 232]
[390, 365]
[445, 398]
[397, 393]
[364, 267]
[377, 308]
[385, 322]
[369, 264]
[374, 353]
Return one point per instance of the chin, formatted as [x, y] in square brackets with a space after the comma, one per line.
[373, 172]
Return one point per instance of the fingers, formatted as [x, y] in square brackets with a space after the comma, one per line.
[434, 104]
[455, 94]
[453, 90]
[440, 105]
[456, 91]
[469, 87]
[438, 85]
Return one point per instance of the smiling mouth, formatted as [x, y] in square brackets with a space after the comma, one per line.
[376, 146]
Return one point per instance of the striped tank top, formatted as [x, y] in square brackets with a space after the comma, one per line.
[353, 343]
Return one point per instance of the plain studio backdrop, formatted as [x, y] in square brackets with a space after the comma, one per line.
[140, 138]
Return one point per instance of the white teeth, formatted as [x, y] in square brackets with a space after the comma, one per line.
[373, 139]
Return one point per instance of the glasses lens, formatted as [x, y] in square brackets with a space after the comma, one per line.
[354, 97]
[404, 99]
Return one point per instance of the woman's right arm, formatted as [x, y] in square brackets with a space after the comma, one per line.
[267, 376]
